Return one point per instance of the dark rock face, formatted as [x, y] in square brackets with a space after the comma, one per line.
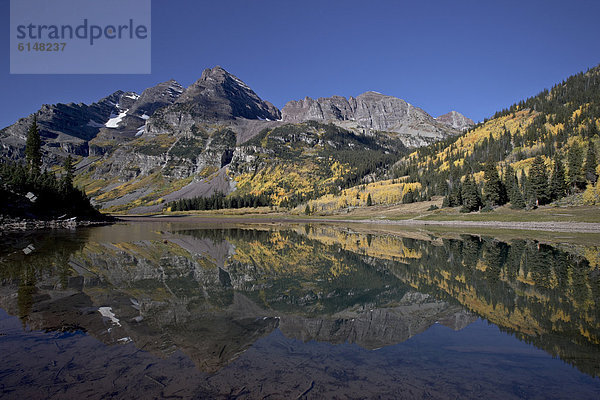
[151, 99]
[370, 111]
[131, 120]
[64, 128]
[219, 95]
[67, 128]
[456, 120]
[202, 126]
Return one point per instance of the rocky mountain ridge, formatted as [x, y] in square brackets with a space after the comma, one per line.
[65, 128]
[371, 111]
[69, 128]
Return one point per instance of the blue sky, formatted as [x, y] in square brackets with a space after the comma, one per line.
[475, 57]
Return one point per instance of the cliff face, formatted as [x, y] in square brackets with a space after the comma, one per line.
[371, 111]
[99, 128]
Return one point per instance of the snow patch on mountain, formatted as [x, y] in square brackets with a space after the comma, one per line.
[115, 120]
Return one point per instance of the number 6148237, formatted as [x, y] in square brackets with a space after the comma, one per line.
[50, 46]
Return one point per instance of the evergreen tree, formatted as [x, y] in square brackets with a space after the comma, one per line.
[495, 193]
[455, 198]
[33, 152]
[510, 179]
[369, 200]
[575, 175]
[516, 200]
[48, 180]
[307, 210]
[68, 174]
[558, 183]
[526, 189]
[512, 187]
[590, 163]
[538, 177]
[470, 195]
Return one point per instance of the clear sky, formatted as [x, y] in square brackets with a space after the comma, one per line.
[473, 56]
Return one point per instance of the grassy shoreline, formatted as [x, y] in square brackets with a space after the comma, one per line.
[408, 213]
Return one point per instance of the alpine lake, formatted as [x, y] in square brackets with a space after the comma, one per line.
[287, 311]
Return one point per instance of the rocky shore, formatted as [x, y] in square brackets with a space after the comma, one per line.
[11, 224]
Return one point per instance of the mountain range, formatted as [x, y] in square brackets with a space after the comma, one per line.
[137, 151]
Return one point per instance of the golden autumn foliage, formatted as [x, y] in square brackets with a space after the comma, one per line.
[387, 247]
[385, 192]
[591, 196]
[414, 270]
[281, 180]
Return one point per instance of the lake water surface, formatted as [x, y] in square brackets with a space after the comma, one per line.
[174, 310]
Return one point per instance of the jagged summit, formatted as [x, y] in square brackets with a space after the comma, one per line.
[219, 95]
[370, 111]
[456, 120]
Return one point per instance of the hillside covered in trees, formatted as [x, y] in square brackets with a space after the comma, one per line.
[28, 192]
[535, 152]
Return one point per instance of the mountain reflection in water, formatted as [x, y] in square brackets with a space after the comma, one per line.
[211, 294]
